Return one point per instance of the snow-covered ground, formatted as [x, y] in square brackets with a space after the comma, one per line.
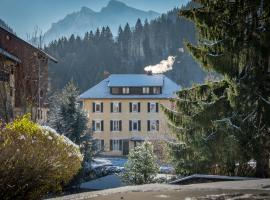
[107, 169]
[107, 182]
[110, 161]
[118, 163]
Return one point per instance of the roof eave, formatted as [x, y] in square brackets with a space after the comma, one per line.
[32, 46]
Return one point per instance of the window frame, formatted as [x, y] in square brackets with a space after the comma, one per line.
[113, 107]
[116, 145]
[100, 124]
[133, 122]
[156, 90]
[152, 107]
[125, 90]
[97, 104]
[115, 125]
[155, 124]
[116, 90]
[99, 145]
[146, 90]
[137, 106]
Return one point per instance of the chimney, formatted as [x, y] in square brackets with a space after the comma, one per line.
[149, 73]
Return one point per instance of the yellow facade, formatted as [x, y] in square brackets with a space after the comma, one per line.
[125, 116]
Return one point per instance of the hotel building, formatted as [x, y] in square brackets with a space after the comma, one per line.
[124, 110]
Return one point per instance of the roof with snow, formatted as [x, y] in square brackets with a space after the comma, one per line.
[135, 80]
[102, 89]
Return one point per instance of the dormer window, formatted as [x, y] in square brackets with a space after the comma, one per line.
[125, 90]
[146, 90]
[116, 90]
[156, 90]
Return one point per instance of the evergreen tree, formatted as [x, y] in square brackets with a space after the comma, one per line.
[234, 41]
[127, 41]
[120, 40]
[66, 115]
[141, 166]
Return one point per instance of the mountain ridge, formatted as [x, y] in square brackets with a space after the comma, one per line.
[116, 13]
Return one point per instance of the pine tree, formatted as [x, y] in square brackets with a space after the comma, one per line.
[141, 166]
[234, 41]
[66, 116]
[127, 34]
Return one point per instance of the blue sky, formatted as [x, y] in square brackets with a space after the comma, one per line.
[24, 15]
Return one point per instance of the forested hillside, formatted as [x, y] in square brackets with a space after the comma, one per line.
[86, 59]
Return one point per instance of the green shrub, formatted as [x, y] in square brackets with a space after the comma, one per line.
[141, 167]
[35, 160]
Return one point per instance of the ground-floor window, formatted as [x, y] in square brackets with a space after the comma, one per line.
[137, 143]
[100, 145]
[116, 145]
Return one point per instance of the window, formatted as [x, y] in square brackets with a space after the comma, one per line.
[116, 125]
[41, 93]
[134, 107]
[125, 90]
[116, 90]
[4, 76]
[153, 107]
[97, 107]
[98, 125]
[39, 114]
[116, 145]
[146, 90]
[156, 90]
[100, 145]
[115, 107]
[153, 125]
[134, 125]
[135, 90]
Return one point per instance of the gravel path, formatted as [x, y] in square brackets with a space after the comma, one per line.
[254, 189]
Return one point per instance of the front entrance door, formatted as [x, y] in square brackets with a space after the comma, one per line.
[125, 147]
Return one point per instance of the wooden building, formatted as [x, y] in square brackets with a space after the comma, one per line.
[30, 73]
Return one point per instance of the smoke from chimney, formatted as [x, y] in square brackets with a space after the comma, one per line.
[162, 67]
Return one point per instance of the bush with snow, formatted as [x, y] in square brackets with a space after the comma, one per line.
[35, 160]
[141, 167]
